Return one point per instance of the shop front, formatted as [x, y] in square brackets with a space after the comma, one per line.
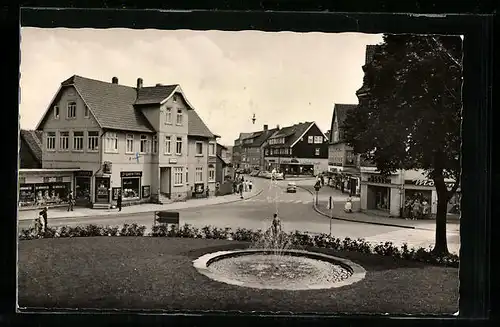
[297, 166]
[83, 184]
[131, 185]
[44, 187]
[380, 194]
[424, 190]
[102, 190]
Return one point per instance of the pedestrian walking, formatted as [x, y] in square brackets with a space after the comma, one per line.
[425, 208]
[119, 201]
[241, 190]
[43, 216]
[245, 186]
[70, 201]
[250, 184]
[416, 209]
[348, 205]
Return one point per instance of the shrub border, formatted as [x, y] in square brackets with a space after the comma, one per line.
[297, 239]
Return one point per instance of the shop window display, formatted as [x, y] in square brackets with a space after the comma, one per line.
[131, 187]
[43, 194]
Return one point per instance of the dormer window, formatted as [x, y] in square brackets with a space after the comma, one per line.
[174, 98]
[71, 109]
[86, 112]
[56, 112]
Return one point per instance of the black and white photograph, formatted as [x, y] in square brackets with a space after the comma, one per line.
[243, 171]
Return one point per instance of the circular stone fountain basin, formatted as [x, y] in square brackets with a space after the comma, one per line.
[290, 270]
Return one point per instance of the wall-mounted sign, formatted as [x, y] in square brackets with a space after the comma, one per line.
[199, 188]
[379, 179]
[83, 173]
[131, 174]
[426, 182]
[106, 167]
[172, 160]
[146, 191]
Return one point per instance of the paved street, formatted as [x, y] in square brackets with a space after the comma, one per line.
[294, 209]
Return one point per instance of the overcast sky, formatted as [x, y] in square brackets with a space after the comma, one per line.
[283, 78]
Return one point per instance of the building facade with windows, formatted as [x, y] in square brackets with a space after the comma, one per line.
[147, 142]
[301, 149]
[343, 163]
[252, 148]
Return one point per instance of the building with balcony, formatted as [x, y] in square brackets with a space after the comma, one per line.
[147, 142]
[301, 149]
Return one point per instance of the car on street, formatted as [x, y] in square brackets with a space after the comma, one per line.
[255, 173]
[279, 176]
[291, 187]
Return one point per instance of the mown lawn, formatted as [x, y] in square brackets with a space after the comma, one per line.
[157, 274]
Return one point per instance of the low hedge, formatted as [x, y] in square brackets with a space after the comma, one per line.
[296, 239]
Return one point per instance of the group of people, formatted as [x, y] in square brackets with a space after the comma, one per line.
[416, 207]
[241, 185]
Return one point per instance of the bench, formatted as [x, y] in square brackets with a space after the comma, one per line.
[166, 217]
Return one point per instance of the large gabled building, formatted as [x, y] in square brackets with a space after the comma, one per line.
[300, 149]
[100, 138]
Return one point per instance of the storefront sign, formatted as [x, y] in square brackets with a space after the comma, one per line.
[146, 191]
[172, 160]
[379, 179]
[212, 160]
[83, 173]
[199, 188]
[131, 174]
[426, 182]
[107, 167]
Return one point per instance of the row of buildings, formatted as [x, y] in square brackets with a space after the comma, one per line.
[98, 138]
[302, 149]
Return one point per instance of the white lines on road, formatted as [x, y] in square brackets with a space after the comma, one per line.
[279, 201]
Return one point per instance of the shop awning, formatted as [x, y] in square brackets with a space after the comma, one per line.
[48, 170]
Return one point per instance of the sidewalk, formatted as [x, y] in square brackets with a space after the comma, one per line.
[356, 216]
[142, 208]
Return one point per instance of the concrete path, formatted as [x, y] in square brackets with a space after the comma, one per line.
[149, 207]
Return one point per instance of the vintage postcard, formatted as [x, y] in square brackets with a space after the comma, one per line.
[180, 170]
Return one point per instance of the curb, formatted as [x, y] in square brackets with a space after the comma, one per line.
[315, 207]
[116, 214]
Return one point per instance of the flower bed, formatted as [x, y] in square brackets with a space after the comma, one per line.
[297, 239]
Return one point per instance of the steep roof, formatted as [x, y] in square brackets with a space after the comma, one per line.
[340, 110]
[196, 126]
[111, 104]
[33, 140]
[291, 133]
[114, 105]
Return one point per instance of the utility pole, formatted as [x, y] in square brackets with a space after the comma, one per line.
[330, 206]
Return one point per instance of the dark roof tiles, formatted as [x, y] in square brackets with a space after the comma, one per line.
[291, 133]
[154, 94]
[196, 126]
[34, 141]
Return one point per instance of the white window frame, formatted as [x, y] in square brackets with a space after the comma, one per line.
[317, 151]
[57, 112]
[71, 109]
[179, 117]
[168, 115]
[168, 144]
[129, 139]
[86, 112]
[310, 139]
[144, 144]
[178, 176]
[318, 140]
[211, 174]
[211, 149]
[178, 140]
[64, 140]
[51, 141]
[111, 142]
[91, 140]
[155, 144]
[79, 137]
[198, 175]
[196, 153]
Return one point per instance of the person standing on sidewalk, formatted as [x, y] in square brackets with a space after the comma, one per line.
[70, 201]
[241, 190]
[250, 186]
[43, 215]
[119, 201]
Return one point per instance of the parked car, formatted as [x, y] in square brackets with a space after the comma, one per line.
[255, 173]
[291, 187]
[279, 176]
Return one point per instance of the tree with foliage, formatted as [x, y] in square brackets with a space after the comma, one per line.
[409, 113]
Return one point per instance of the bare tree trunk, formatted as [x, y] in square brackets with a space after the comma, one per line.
[441, 243]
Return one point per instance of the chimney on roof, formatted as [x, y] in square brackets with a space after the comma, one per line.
[159, 84]
[139, 83]
[265, 128]
[114, 80]
[278, 126]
